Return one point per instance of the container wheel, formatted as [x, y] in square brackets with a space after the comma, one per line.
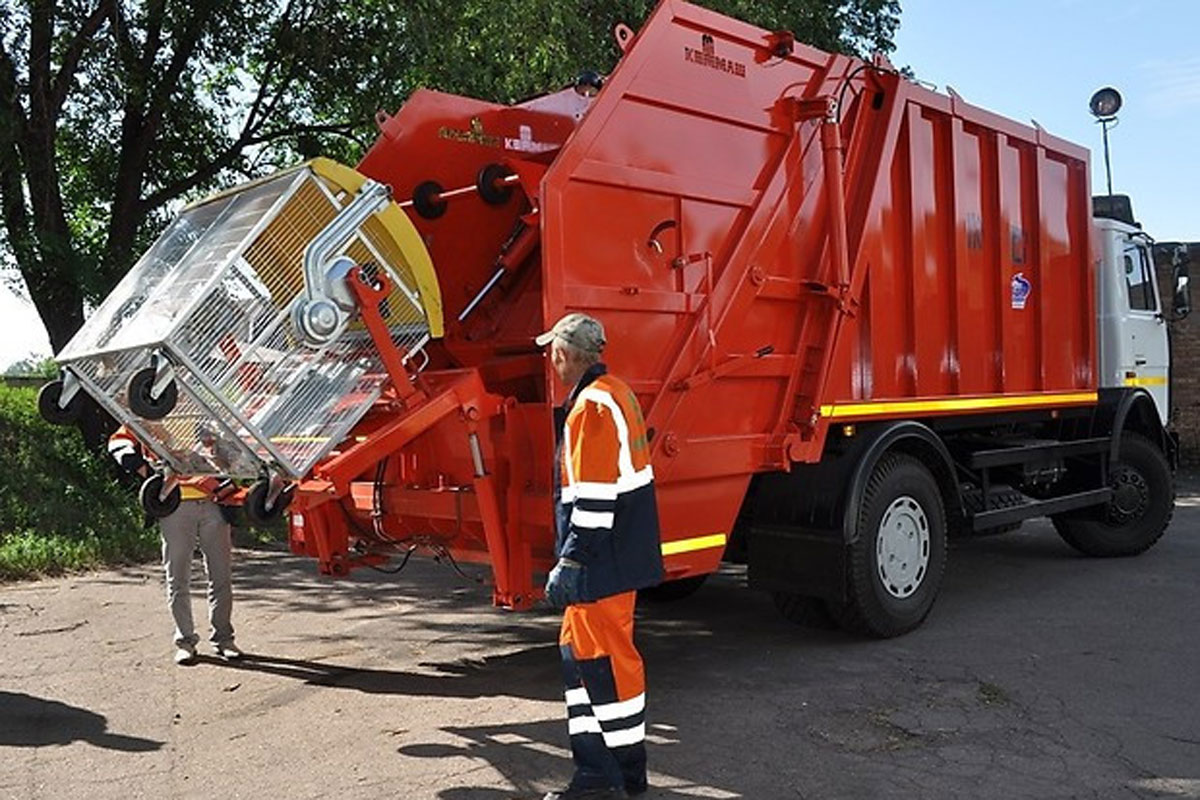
[1141, 507]
[142, 403]
[255, 503]
[152, 503]
[48, 407]
[898, 554]
[669, 591]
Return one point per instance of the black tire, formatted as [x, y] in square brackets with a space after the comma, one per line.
[48, 397]
[142, 403]
[885, 603]
[808, 612]
[152, 504]
[255, 504]
[1139, 512]
[670, 591]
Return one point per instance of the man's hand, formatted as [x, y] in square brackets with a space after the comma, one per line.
[563, 584]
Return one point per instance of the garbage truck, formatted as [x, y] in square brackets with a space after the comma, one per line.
[861, 316]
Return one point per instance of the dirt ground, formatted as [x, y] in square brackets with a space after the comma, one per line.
[1038, 674]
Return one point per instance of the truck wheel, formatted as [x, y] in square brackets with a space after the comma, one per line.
[152, 504]
[669, 591]
[899, 553]
[808, 612]
[1141, 507]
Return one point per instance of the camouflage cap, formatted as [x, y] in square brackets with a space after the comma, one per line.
[578, 330]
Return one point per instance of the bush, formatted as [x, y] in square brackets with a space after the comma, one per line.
[61, 506]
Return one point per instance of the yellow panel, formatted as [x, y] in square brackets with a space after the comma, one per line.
[395, 225]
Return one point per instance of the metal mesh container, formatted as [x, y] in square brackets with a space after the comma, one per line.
[209, 316]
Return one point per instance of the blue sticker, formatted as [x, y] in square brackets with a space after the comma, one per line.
[1021, 287]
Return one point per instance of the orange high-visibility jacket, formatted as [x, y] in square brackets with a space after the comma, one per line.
[607, 517]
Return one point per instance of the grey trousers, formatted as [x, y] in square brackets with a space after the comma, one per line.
[198, 521]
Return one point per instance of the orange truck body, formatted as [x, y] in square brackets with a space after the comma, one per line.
[780, 242]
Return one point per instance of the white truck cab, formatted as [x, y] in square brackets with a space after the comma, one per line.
[1132, 329]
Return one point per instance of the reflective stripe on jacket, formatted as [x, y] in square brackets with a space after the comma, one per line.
[607, 517]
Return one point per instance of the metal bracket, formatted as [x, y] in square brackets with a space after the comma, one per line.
[164, 373]
[71, 387]
[327, 303]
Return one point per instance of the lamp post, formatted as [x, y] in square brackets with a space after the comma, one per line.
[1105, 104]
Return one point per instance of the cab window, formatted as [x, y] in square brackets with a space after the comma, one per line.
[1139, 280]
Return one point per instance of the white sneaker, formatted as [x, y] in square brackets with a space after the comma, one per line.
[229, 651]
[185, 655]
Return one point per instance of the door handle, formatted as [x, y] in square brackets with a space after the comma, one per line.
[1139, 362]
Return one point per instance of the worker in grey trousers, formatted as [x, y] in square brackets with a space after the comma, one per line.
[197, 521]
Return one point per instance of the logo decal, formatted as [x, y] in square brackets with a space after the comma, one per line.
[707, 56]
[475, 135]
[1021, 288]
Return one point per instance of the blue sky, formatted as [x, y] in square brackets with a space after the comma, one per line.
[1026, 60]
[1043, 60]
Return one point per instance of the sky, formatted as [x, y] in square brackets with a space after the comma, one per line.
[1029, 60]
[1042, 60]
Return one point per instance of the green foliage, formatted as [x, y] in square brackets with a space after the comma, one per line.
[33, 366]
[60, 506]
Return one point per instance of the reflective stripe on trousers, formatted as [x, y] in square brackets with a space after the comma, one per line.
[605, 693]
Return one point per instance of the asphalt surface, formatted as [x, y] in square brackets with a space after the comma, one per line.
[1039, 674]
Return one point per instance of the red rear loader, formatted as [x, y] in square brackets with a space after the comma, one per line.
[860, 316]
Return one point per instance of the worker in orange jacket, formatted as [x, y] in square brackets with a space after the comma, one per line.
[197, 521]
[608, 547]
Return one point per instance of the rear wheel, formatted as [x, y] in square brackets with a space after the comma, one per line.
[898, 554]
[1141, 507]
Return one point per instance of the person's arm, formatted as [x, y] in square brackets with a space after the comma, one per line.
[593, 448]
[128, 453]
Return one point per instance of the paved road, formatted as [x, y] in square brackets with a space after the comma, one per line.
[1038, 674]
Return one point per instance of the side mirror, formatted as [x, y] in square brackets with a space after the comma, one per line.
[1182, 303]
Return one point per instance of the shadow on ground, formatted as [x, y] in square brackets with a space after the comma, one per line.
[28, 721]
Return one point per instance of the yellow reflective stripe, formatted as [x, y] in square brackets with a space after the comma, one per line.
[695, 543]
[956, 404]
[191, 493]
[1148, 380]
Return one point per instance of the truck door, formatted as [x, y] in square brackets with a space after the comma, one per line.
[1143, 357]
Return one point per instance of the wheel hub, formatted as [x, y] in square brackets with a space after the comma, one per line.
[902, 547]
[1131, 495]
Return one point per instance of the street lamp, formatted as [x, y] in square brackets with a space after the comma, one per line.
[1105, 104]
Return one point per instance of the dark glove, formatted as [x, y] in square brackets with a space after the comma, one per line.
[564, 584]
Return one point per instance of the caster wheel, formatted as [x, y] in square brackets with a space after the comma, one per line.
[140, 400]
[256, 504]
[152, 504]
[51, 411]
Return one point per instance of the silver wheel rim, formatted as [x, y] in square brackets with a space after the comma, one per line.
[902, 547]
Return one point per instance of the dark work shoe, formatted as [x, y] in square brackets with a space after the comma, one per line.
[573, 793]
[632, 789]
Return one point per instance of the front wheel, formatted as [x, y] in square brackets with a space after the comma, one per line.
[898, 554]
[1139, 511]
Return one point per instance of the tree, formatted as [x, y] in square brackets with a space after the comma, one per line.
[112, 112]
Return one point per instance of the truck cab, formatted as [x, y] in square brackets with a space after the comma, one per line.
[1132, 329]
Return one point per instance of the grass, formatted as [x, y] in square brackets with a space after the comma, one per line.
[29, 554]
